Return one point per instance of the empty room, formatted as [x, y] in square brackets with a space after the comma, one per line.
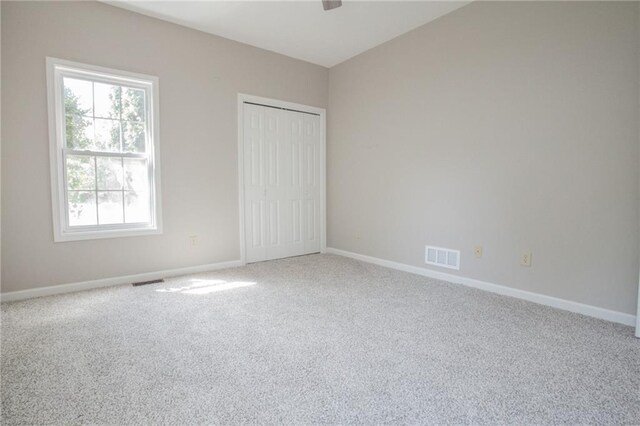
[320, 212]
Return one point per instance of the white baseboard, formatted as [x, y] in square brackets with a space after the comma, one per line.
[567, 305]
[106, 282]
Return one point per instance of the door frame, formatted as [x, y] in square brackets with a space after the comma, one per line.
[638, 313]
[242, 98]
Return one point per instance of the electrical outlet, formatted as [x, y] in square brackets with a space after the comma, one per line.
[194, 240]
[477, 251]
[525, 259]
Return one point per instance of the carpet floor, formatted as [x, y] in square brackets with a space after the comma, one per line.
[318, 339]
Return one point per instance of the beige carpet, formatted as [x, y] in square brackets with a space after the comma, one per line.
[312, 340]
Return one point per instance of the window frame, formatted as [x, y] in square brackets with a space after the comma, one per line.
[56, 70]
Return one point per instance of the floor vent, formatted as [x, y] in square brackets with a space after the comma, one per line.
[147, 282]
[445, 258]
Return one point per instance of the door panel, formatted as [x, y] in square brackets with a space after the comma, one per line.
[257, 214]
[254, 189]
[296, 221]
[277, 137]
[311, 189]
[274, 223]
[281, 183]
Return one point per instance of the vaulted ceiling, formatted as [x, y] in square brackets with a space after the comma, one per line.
[300, 29]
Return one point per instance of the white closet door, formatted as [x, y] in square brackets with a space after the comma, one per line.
[254, 183]
[282, 192]
[306, 139]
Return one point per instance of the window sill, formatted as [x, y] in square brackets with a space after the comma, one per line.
[110, 233]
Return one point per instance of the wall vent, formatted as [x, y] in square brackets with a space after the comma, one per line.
[147, 282]
[445, 258]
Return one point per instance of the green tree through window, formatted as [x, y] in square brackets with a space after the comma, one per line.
[114, 123]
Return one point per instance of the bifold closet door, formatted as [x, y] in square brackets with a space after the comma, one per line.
[281, 187]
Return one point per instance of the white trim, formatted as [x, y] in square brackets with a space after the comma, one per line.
[107, 282]
[638, 315]
[567, 305]
[240, 116]
[638, 312]
[150, 84]
[242, 98]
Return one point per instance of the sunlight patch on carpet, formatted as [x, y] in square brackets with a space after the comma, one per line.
[199, 286]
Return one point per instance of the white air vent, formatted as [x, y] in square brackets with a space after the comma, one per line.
[443, 257]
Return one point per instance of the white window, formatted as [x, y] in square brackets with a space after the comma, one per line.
[105, 170]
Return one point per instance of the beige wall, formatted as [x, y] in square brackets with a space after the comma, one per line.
[638, 308]
[200, 76]
[512, 125]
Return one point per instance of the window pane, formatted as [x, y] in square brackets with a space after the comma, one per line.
[137, 207]
[133, 136]
[81, 172]
[110, 207]
[107, 100]
[105, 151]
[82, 208]
[78, 97]
[79, 132]
[107, 135]
[109, 172]
[133, 104]
[136, 175]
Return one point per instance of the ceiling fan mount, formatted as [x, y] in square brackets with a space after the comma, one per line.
[331, 4]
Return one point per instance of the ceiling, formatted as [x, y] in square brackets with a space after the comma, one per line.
[300, 29]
